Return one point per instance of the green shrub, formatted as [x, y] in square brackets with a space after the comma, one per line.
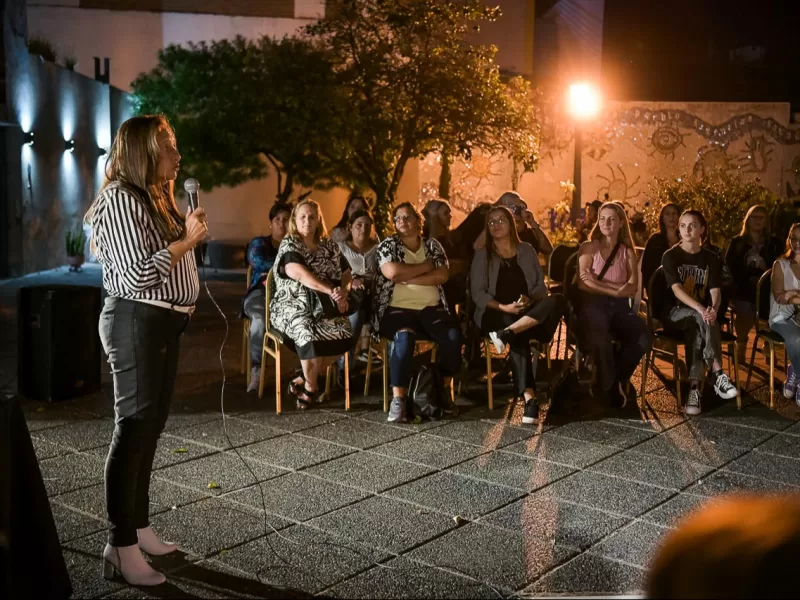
[42, 47]
[76, 242]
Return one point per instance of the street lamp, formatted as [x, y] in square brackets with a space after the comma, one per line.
[584, 102]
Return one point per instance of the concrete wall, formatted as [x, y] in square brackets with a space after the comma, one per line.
[633, 142]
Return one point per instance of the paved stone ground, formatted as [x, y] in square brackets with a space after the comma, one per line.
[480, 506]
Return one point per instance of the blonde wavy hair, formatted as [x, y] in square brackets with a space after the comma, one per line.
[625, 236]
[133, 164]
[321, 231]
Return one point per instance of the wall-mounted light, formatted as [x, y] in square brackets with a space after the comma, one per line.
[101, 152]
[28, 137]
[69, 146]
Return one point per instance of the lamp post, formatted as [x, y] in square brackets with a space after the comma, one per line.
[583, 101]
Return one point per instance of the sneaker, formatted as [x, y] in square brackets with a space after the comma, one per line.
[797, 396]
[500, 339]
[693, 402]
[397, 410]
[790, 387]
[531, 414]
[255, 379]
[724, 388]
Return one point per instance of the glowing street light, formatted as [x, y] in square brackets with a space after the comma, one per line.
[584, 103]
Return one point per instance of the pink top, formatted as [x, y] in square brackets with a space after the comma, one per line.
[618, 271]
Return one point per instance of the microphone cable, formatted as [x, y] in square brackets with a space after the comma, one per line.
[267, 525]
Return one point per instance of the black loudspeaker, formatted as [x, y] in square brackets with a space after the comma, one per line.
[58, 350]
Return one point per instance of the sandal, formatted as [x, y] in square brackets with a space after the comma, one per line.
[295, 389]
[310, 398]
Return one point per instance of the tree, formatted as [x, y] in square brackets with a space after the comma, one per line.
[240, 106]
[412, 84]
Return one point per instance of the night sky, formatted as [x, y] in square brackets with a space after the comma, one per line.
[680, 50]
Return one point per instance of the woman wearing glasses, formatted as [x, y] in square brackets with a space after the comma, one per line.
[511, 302]
[409, 301]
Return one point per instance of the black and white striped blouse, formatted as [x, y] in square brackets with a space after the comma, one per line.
[135, 259]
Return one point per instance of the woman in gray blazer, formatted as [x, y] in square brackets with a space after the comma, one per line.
[511, 302]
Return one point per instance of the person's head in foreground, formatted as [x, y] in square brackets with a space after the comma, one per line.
[738, 547]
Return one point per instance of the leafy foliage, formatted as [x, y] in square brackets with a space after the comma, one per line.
[75, 242]
[43, 48]
[722, 197]
[414, 85]
[238, 106]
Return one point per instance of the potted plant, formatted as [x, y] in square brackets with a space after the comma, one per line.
[76, 242]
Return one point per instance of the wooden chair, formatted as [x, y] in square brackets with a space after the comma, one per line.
[763, 331]
[487, 349]
[657, 291]
[556, 266]
[244, 367]
[273, 340]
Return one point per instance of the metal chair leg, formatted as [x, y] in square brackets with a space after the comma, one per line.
[547, 352]
[385, 355]
[369, 367]
[244, 367]
[750, 366]
[677, 376]
[771, 375]
[647, 357]
[489, 385]
[736, 375]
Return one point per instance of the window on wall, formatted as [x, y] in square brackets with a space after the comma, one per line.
[240, 8]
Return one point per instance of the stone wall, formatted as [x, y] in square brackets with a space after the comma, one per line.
[633, 142]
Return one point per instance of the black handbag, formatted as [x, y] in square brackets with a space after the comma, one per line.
[323, 306]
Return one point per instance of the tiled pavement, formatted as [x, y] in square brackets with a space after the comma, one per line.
[356, 508]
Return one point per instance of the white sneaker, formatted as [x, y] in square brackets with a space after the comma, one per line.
[499, 344]
[724, 388]
[693, 403]
[255, 378]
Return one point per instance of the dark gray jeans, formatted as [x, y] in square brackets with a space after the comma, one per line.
[254, 308]
[703, 345]
[142, 343]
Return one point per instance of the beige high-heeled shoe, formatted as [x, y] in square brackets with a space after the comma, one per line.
[128, 562]
[149, 542]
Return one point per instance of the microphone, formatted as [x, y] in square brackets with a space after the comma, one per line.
[192, 187]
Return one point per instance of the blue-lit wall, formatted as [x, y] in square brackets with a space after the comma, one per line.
[55, 185]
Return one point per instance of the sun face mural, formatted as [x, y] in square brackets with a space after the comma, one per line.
[617, 186]
[666, 140]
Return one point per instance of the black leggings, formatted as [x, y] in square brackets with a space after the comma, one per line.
[142, 343]
[548, 312]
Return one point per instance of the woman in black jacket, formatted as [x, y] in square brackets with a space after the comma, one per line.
[749, 256]
[661, 241]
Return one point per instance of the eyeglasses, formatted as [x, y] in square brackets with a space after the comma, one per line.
[496, 222]
[401, 218]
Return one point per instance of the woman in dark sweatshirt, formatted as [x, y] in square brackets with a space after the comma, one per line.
[661, 241]
[750, 254]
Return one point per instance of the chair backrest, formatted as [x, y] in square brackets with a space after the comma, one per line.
[657, 294]
[249, 277]
[570, 269]
[763, 295]
[558, 260]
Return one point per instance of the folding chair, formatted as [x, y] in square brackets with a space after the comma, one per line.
[244, 366]
[763, 331]
[273, 340]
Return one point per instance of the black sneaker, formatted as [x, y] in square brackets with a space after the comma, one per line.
[531, 414]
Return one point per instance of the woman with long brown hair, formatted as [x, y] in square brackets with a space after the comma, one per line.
[144, 245]
[608, 276]
[511, 302]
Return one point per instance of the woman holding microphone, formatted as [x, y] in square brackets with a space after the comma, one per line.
[144, 245]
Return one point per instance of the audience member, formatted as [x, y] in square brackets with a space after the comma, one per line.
[340, 231]
[309, 266]
[608, 276]
[261, 254]
[511, 302]
[694, 275]
[661, 241]
[783, 304]
[409, 301]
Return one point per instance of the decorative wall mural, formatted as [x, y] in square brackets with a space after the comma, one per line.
[711, 158]
[555, 141]
[666, 139]
[755, 156]
[723, 133]
[617, 186]
[795, 169]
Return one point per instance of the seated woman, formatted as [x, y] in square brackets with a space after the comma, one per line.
[308, 263]
[661, 241]
[437, 215]
[511, 302]
[409, 301]
[360, 251]
[783, 304]
[608, 276]
[749, 256]
[261, 255]
[340, 231]
[694, 275]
